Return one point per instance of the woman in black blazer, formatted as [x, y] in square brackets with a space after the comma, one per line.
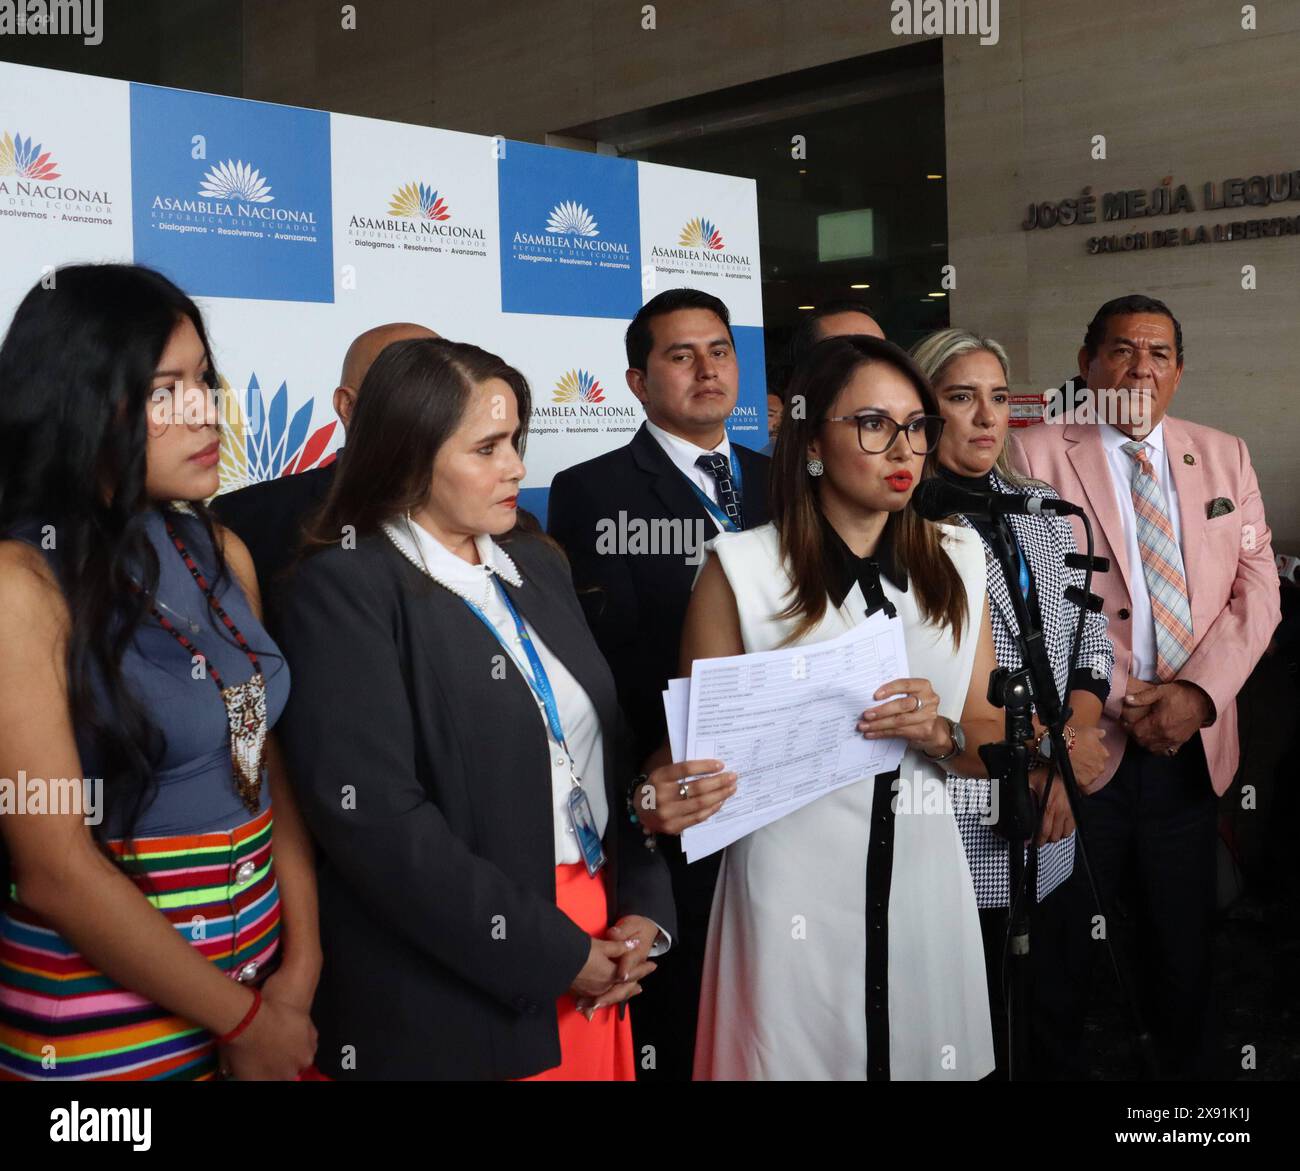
[454, 732]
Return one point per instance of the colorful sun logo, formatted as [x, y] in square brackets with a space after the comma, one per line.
[700, 233]
[571, 219]
[578, 386]
[420, 201]
[264, 442]
[19, 157]
[236, 180]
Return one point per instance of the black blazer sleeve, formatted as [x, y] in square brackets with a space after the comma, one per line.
[349, 735]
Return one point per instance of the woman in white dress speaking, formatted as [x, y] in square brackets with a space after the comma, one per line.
[844, 941]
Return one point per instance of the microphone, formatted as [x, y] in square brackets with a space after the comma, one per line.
[936, 498]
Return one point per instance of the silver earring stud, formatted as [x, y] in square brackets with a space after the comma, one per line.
[816, 467]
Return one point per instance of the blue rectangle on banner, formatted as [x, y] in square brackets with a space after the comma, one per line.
[535, 500]
[747, 424]
[251, 215]
[570, 233]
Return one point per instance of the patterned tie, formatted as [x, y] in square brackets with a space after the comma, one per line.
[1160, 567]
[719, 467]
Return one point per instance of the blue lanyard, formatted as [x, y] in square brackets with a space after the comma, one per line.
[728, 525]
[581, 821]
[536, 675]
[1024, 572]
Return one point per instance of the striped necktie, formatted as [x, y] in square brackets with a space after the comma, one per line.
[1161, 567]
[719, 467]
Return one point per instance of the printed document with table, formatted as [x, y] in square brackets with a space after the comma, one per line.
[785, 722]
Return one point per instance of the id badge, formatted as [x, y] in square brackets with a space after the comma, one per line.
[584, 826]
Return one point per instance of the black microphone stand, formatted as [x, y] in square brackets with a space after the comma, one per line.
[1008, 765]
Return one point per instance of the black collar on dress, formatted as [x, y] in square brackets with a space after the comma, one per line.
[844, 567]
[982, 483]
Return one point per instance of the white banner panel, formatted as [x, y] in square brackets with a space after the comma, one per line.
[65, 175]
[701, 230]
[582, 406]
[415, 228]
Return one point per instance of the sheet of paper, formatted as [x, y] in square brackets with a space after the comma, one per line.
[677, 700]
[785, 720]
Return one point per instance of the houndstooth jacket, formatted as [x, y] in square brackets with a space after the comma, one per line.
[1044, 541]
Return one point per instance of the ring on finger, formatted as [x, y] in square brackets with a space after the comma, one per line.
[920, 703]
[683, 792]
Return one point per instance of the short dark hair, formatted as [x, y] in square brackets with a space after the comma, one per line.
[805, 333]
[639, 341]
[1121, 307]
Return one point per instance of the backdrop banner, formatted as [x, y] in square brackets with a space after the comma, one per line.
[295, 230]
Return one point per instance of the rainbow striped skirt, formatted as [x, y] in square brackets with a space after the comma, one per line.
[61, 1018]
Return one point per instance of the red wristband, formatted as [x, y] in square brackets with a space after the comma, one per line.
[226, 1038]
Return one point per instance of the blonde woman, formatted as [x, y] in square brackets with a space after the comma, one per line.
[970, 376]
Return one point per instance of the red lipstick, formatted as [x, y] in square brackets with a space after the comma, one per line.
[899, 481]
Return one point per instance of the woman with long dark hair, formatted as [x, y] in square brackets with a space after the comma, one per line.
[487, 903]
[159, 923]
[844, 941]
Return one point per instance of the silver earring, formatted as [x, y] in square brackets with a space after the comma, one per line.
[816, 467]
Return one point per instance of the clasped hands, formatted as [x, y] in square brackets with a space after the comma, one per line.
[616, 963]
[1162, 717]
[281, 1040]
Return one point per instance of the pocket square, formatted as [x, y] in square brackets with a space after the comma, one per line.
[1219, 506]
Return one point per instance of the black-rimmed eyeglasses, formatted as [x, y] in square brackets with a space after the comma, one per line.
[876, 433]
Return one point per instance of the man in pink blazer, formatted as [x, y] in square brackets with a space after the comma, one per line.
[1193, 598]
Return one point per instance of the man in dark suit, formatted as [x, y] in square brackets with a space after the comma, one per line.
[269, 517]
[632, 521]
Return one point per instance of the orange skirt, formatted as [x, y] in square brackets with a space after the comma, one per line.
[600, 1049]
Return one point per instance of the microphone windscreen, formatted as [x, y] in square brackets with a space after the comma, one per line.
[935, 499]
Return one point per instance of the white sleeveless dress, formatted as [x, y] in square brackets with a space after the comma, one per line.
[784, 992]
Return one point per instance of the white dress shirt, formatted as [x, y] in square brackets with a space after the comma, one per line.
[578, 718]
[1122, 467]
[684, 453]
